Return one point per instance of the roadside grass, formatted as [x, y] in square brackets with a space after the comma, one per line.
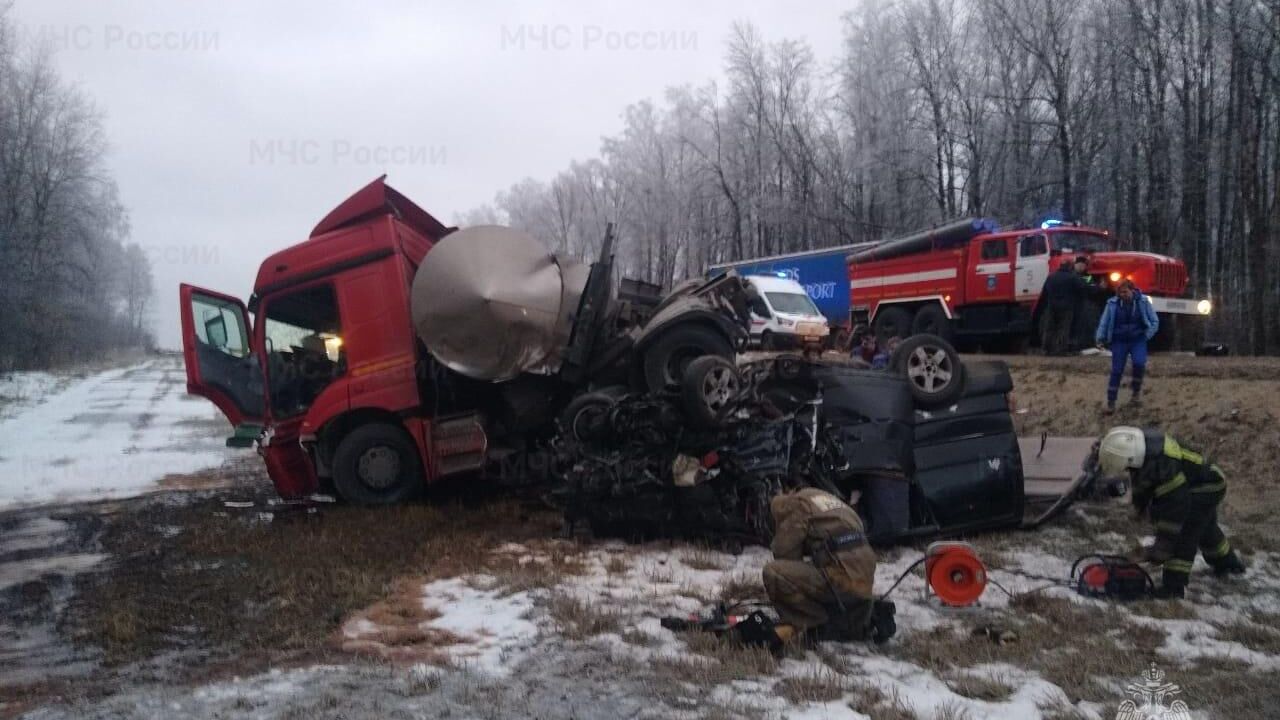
[979, 687]
[256, 593]
[579, 619]
[1070, 644]
[815, 685]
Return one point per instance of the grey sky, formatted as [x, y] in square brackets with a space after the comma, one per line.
[235, 126]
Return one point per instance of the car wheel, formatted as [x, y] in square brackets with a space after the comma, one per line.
[933, 320]
[666, 359]
[583, 418]
[932, 368]
[710, 389]
[893, 322]
[377, 464]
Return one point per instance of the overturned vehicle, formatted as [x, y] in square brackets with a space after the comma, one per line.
[704, 463]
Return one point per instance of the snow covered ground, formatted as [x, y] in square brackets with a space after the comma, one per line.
[109, 435]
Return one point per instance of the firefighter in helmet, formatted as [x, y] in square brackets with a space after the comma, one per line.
[823, 569]
[1182, 490]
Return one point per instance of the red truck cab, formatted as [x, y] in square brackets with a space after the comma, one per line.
[324, 351]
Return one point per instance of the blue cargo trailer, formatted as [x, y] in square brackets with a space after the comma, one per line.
[823, 273]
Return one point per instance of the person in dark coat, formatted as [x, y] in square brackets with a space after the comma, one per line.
[1063, 293]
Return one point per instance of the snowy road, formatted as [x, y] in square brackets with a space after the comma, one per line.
[114, 434]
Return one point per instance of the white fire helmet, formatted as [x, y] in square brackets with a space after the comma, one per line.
[1122, 448]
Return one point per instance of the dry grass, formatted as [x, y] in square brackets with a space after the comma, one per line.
[1069, 644]
[260, 593]
[815, 685]
[742, 586]
[980, 687]
[951, 711]
[578, 619]
[1260, 638]
[716, 661]
[872, 702]
[702, 559]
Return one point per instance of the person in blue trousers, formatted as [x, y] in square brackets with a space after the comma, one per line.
[1128, 322]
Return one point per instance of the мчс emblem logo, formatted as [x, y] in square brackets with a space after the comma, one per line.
[1151, 699]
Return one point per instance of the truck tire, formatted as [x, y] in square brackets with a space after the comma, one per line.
[932, 320]
[932, 368]
[581, 418]
[666, 359]
[377, 464]
[893, 322]
[710, 389]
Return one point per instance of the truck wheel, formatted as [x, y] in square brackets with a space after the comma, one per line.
[582, 419]
[710, 389]
[666, 359]
[377, 464]
[893, 322]
[932, 368]
[933, 320]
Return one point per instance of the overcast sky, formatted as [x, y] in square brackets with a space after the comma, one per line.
[235, 126]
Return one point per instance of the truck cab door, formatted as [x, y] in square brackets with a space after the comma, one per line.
[1032, 267]
[221, 366]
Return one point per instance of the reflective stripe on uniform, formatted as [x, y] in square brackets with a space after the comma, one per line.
[1210, 488]
[1168, 527]
[1177, 452]
[1177, 566]
[1178, 481]
[1221, 550]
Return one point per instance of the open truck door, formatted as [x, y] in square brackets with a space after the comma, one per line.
[221, 366]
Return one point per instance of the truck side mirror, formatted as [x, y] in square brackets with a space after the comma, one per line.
[215, 330]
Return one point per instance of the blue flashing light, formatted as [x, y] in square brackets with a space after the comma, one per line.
[1051, 223]
[782, 274]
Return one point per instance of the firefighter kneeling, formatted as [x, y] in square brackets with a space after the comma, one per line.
[1182, 491]
[829, 594]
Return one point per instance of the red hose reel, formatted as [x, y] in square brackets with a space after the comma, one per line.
[954, 573]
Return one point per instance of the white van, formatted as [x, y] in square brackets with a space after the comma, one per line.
[783, 315]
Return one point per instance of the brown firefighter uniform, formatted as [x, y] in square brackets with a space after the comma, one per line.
[818, 525]
[1182, 489]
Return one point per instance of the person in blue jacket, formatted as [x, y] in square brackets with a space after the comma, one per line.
[1128, 322]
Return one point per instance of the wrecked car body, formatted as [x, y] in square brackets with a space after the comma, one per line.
[642, 466]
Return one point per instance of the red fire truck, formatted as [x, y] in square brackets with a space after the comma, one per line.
[970, 280]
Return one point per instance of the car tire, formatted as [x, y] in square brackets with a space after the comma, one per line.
[893, 322]
[710, 388]
[933, 320]
[932, 369]
[579, 419]
[377, 464]
[666, 359]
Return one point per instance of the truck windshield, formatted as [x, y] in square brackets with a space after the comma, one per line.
[1069, 242]
[793, 303]
[304, 348]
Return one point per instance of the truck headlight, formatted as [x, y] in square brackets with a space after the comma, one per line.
[1204, 307]
[1114, 277]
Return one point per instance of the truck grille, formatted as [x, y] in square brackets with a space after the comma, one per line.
[1170, 277]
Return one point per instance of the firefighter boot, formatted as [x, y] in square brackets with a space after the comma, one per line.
[1170, 591]
[1229, 565]
[883, 626]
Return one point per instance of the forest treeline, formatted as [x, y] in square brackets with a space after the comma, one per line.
[71, 286]
[1156, 119]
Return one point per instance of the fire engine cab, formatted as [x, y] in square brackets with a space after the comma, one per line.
[969, 279]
